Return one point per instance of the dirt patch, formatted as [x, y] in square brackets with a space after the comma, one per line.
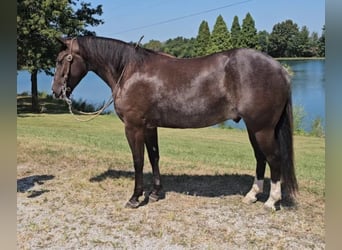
[83, 208]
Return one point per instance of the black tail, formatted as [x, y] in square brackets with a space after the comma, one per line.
[284, 134]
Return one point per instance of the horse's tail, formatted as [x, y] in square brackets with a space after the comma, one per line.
[284, 134]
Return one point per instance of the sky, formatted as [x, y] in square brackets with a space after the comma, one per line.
[163, 19]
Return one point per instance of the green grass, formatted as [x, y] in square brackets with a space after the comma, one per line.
[58, 139]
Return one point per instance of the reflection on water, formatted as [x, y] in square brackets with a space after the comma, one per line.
[307, 89]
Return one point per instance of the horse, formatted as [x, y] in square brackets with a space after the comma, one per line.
[151, 89]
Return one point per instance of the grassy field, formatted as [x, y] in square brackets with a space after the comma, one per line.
[74, 179]
[55, 138]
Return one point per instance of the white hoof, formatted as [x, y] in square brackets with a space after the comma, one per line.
[257, 188]
[275, 196]
[270, 206]
[249, 199]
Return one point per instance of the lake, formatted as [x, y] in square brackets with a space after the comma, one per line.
[308, 89]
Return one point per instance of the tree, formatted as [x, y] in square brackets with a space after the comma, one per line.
[248, 37]
[220, 39]
[202, 39]
[235, 33]
[39, 22]
[304, 46]
[153, 45]
[263, 38]
[283, 39]
[180, 47]
[314, 44]
[321, 43]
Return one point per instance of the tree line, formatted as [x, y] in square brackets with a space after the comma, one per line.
[287, 39]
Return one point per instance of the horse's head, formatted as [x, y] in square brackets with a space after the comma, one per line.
[70, 69]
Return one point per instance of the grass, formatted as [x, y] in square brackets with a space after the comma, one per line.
[49, 139]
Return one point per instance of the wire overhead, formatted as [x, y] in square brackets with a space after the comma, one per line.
[182, 17]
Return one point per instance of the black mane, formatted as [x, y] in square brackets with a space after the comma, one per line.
[111, 51]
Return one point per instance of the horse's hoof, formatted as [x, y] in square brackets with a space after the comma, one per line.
[271, 207]
[249, 200]
[132, 204]
[153, 197]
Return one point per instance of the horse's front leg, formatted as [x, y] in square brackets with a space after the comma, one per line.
[151, 142]
[135, 138]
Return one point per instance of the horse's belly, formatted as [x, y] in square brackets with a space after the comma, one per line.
[194, 117]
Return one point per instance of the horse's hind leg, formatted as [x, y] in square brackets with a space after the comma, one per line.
[270, 147]
[151, 142]
[258, 184]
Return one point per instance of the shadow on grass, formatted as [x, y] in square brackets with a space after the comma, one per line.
[196, 185]
[48, 105]
[25, 184]
[200, 185]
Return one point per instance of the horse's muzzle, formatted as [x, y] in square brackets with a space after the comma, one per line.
[56, 95]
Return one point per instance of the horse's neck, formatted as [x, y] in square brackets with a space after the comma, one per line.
[104, 65]
[106, 72]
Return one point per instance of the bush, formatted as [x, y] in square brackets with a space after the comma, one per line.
[82, 105]
[298, 116]
[317, 127]
[288, 69]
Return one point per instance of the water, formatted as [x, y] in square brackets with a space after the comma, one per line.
[308, 89]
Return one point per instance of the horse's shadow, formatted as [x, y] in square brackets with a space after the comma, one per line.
[201, 185]
[195, 185]
[27, 183]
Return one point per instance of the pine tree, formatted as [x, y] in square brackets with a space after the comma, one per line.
[235, 32]
[202, 39]
[220, 39]
[249, 38]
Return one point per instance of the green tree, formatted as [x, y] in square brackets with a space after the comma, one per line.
[180, 47]
[248, 38]
[314, 44]
[283, 40]
[202, 39]
[39, 22]
[321, 43]
[304, 46]
[153, 45]
[235, 33]
[263, 37]
[220, 39]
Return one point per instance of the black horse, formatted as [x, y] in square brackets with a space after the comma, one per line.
[151, 90]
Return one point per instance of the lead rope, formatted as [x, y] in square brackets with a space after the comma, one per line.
[106, 105]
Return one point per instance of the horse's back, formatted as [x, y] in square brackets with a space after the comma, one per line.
[200, 92]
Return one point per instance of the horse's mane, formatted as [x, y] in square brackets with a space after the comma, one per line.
[112, 51]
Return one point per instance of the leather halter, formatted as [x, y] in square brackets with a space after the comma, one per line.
[69, 59]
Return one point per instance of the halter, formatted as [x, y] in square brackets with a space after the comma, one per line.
[69, 59]
[65, 89]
